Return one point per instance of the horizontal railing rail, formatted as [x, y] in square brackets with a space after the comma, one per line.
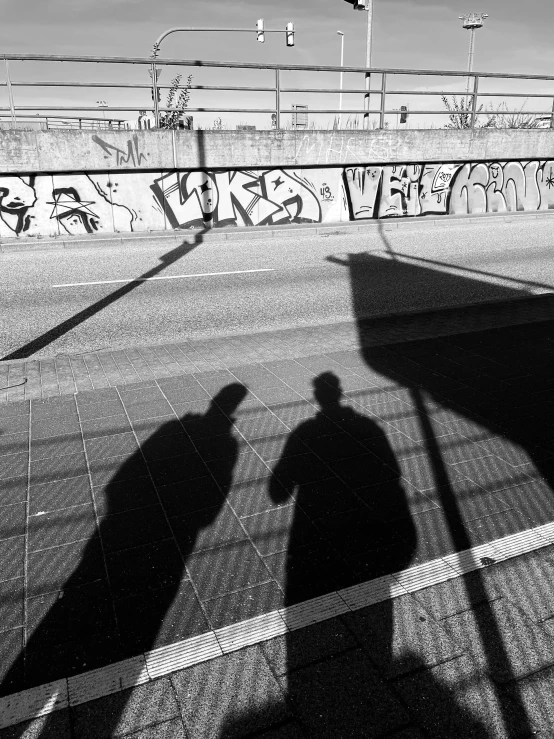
[466, 116]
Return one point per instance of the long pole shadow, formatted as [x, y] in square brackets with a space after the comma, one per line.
[490, 635]
[166, 260]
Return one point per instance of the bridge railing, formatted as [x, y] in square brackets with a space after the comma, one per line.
[467, 112]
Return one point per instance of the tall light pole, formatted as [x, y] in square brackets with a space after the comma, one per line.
[366, 5]
[341, 34]
[472, 21]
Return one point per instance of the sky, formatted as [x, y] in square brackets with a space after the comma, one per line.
[416, 34]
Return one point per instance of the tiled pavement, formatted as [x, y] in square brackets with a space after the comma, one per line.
[140, 514]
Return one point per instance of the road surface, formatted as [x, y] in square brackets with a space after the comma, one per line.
[83, 299]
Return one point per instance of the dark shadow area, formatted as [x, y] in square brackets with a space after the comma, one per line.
[492, 388]
[363, 527]
[338, 676]
[130, 592]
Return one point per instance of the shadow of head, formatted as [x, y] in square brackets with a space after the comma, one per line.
[229, 398]
[327, 390]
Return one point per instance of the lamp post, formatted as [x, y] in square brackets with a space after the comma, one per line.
[341, 34]
[472, 21]
[102, 104]
[366, 5]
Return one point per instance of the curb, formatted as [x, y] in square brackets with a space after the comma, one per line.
[178, 237]
[146, 667]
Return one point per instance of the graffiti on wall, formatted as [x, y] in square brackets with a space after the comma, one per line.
[137, 201]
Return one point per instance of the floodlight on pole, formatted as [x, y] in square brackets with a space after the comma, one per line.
[471, 22]
[260, 30]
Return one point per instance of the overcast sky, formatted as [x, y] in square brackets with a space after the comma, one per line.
[424, 34]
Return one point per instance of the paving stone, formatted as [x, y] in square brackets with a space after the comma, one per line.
[12, 554]
[459, 594]
[238, 566]
[132, 528]
[155, 618]
[243, 604]
[61, 567]
[56, 446]
[125, 712]
[338, 696]
[61, 527]
[52, 726]
[105, 426]
[14, 465]
[12, 520]
[144, 568]
[233, 696]
[454, 699]
[118, 497]
[173, 729]
[14, 443]
[57, 468]
[111, 446]
[533, 695]
[308, 645]
[502, 640]
[11, 604]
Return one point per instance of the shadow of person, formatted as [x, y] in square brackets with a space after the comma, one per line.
[352, 523]
[130, 592]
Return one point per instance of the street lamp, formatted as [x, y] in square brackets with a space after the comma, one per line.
[341, 34]
[368, 6]
[102, 104]
[471, 22]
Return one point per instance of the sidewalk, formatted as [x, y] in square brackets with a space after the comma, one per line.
[165, 494]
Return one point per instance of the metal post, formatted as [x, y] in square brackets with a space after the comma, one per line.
[277, 99]
[341, 34]
[10, 93]
[383, 101]
[470, 55]
[155, 95]
[474, 101]
[552, 115]
[368, 61]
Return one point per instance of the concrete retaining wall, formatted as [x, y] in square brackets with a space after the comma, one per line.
[77, 182]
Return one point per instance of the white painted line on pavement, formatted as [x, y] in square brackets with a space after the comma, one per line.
[165, 277]
[34, 702]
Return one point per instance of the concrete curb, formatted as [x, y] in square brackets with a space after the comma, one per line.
[178, 237]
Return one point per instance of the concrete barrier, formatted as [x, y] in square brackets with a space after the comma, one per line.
[54, 183]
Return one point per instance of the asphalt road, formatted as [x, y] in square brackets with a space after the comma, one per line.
[252, 285]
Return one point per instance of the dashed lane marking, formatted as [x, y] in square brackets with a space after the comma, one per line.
[164, 277]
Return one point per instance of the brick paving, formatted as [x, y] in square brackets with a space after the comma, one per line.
[140, 510]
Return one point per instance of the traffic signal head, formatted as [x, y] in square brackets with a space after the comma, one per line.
[359, 4]
[260, 28]
[290, 34]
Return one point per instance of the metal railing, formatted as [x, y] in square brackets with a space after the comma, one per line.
[384, 91]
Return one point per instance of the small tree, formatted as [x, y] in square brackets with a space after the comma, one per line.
[171, 118]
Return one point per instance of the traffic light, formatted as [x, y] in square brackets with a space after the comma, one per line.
[290, 34]
[159, 94]
[359, 4]
[403, 114]
[260, 27]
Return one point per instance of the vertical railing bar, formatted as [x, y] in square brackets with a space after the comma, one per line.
[277, 99]
[474, 100]
[10, 93]
[383, 101]
[552, 115]
[155, 95]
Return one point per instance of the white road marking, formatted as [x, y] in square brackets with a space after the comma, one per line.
[166, 277]
[44, 699]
